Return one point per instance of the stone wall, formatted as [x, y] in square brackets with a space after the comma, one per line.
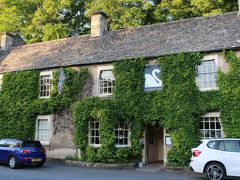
[62, 127]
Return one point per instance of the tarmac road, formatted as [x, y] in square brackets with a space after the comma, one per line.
[52, 171]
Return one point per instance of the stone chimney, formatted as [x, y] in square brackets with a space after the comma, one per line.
[98, 24]
[6, 41]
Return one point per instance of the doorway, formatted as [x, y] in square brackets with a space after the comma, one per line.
[154, 145]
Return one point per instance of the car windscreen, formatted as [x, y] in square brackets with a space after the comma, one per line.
[36, 144]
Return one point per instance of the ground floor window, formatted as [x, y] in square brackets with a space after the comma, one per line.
[43, 129]
[210, 126]
[94, 136]
[121, 134]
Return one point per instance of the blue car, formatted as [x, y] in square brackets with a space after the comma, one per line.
[16, 152]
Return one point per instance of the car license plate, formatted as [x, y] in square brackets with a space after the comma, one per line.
[36, 159]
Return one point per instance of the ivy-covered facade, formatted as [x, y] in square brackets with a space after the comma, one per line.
[122, 107]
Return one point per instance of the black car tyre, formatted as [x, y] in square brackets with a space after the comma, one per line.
[12, 162]
[215, 171]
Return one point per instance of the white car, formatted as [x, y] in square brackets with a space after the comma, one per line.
[217, 158]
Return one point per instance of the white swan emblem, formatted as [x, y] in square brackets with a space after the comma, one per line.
[153, 80]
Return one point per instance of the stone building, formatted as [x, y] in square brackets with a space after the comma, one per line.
[99, 49]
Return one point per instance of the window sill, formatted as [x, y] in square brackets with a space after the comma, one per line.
[208, 89]
[122, 146]
[44, 97]
[95, 145]
[105, 95]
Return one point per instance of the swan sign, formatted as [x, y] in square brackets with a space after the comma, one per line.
[152, 78]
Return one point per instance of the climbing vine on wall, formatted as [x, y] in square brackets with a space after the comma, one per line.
[20, 104]
[124, 107]
[180, 110]
[229, 87]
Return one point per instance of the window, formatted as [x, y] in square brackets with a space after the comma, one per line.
[210, 126]
[43, 129]
[207, 74]
[1, 82]
[231, 146]
[94, 137]
[45, 84]
[121, 134]
[106, 82]
[225, 145]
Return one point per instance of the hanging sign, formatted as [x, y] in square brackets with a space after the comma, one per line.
[152, 78]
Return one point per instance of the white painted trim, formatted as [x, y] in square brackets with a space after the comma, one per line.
[89, 136]
[45, 73]
[103, 68]
[208, 57]
[212, 114]
[215, 114]
[129, 138]
[49, 118]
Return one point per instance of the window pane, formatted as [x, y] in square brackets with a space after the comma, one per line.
[43, 129]
[45, 85]
[121, 133]
[107, 83]
[94, 132]
[231, 146]
[207, 74]
[210, 127]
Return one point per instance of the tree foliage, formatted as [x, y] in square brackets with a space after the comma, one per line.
[43, 20]
[183, 9]
[122, 13]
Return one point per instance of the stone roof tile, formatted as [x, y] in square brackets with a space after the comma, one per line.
[203, 34]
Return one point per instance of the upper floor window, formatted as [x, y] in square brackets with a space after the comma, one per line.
[106, 82]
[210, 126]
[121, 134]
[94, 136]
[43, 129]
[1, 82]
[45, 84]
[207, 74]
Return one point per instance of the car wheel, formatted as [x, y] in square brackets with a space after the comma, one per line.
[12, 162]
[215, 171]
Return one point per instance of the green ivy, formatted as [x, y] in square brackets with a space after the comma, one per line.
[20, 102]
[229, 87]
[178, 107]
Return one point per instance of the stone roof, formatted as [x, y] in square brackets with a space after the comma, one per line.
[203, 34]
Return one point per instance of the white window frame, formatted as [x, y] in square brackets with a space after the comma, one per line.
[49, 118]
[103, 68]
[1, 82]
[214, 57]
[45, 73]
[89, 133]
[128, 138]
[211, 115]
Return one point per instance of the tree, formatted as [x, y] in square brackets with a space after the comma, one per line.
[48, 21]
[43, 20]
[122, 13]
[168, 10]
[16, 14]
[78, 22]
